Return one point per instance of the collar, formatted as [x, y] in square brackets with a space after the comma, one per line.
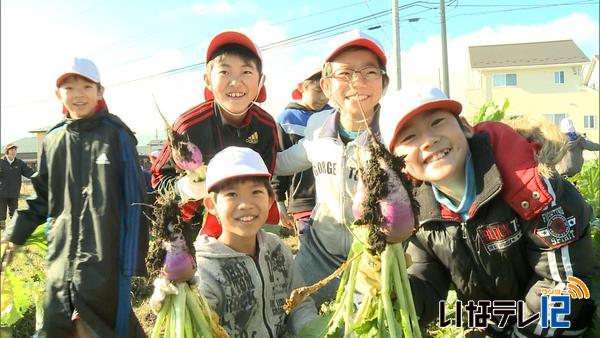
[86, 123]
[331, 127]
[469, 192]
[223, 121]
[487, 184]
[524, 188]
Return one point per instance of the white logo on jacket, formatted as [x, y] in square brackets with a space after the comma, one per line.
[102, 159]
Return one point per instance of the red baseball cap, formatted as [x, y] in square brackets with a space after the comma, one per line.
[9, 146]
[357, 38]
[297, 93]
[239, 38]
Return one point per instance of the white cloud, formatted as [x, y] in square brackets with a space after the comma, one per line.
[204, 8]
[38, 53]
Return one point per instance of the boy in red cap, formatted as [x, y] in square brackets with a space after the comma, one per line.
[492, 223]
[11, 170]
[354, 79]
[229, 117]
[89, 188]
[299, 190]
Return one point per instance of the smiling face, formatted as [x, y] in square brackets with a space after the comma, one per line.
[347, 94]
[436, 147]
[234, 82]
[241, 206]
[79, 96]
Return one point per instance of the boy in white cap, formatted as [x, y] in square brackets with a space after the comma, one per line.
[490, 224]
[299, 190]
[229, 117]
[246, 274]
[354, 79]
[89, 188]
[571, 164]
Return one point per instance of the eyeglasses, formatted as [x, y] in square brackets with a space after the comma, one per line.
[368, 73]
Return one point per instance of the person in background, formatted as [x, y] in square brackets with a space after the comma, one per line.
[146, 171]
[299, 189]
[571, 164]
[11, 170]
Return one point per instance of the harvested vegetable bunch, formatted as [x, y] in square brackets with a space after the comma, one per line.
[183, 312]
[384, 208]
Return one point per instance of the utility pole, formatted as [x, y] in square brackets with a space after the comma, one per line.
[396, 24]
[444, 48]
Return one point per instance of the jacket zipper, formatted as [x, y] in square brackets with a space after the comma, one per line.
[469, 242]
[264, 302]
[75, 226]
[343, 186]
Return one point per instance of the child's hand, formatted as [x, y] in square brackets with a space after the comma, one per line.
[190, 188]
[9, 253]
[369, 273]
[285, 220]
[162, 288]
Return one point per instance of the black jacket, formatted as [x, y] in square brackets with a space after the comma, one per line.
[205, 127]
[88, 172]
[10, 176]
[496, 254]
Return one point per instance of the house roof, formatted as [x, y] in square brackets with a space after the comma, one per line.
[29, 145]
[590, 70]
[526, 54]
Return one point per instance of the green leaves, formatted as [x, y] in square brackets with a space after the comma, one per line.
[23, 282]
[490, 112]
[588, 183]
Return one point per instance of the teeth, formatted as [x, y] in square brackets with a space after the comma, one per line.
[246, 218]
[359, 97]
[438, 156]
[235, 94]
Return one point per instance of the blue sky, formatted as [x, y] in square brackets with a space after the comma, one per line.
[132, 40]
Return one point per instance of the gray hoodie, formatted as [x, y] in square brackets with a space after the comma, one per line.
[248, 296]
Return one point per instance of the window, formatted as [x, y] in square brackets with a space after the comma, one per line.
[555, 118]
[589, 121]
[559, 77]
[505, 80]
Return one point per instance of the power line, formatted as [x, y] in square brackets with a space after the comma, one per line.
[524, 7]
[322, 34]
[132, 40]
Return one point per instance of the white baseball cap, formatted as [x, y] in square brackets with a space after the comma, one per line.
[401, 106]
[234, 162]
[358, 38]
[80, 66]
[566, 126]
